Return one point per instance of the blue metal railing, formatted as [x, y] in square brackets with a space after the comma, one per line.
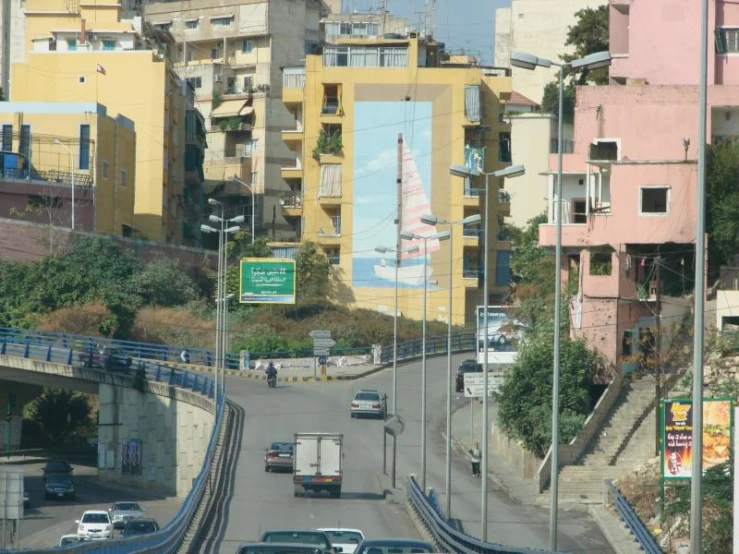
[632, 520]
[447, 536]
[434, 345]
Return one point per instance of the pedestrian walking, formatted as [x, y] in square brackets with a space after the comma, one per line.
[475, 457]
[185, 356]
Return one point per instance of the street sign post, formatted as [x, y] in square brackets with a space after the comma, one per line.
[319, 334]
[322, 342]
[474, 384]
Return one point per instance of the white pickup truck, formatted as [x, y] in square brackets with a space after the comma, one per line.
[317, 463]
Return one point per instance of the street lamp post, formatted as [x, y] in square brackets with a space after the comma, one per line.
[253, 205]
[398, 253]
[71, 172]
[529, 61]
[221, 289]
[449, 235]
[464, 171]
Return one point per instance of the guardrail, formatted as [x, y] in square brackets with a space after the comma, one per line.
[434, 345]
[447, 537]
[632, 520]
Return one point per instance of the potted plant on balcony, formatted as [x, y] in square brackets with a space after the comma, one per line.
[327, 144]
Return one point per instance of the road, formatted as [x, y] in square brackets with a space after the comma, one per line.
[262, 501]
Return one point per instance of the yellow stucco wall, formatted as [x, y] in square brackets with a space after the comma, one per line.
[444, 89]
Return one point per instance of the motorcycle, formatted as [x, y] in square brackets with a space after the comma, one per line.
[272, 381]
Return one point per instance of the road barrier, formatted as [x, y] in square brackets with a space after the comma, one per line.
[632, 520]
[446, 534]
[434, 345]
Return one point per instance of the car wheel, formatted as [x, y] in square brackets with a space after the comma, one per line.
[266, 468]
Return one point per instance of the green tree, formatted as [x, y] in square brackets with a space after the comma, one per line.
[312, 274]
[62, 415]
[525, 399]
[722, 204]
[164, 282]
[587, 36]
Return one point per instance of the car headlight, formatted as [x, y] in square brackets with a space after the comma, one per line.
[117, 518]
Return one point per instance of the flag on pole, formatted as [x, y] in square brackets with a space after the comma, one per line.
[101, 69]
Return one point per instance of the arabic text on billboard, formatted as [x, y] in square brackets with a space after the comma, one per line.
[677, 440]
[267, 281]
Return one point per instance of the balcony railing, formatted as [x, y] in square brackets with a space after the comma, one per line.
[472, 192]
[292, 200]
[473, 232]
[470, 273]
[504, 197]
[334, 260]
[49, 176]
[331, 105]
[568, 146]
[334, 230]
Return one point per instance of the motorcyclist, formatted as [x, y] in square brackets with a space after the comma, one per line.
[271, 371]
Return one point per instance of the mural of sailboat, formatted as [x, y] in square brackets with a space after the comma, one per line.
[414, 204]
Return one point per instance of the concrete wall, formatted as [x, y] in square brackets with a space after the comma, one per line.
[173, 425]
[522, 461]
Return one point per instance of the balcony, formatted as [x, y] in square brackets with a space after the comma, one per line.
[504, 203]
[329, 199]
[293, 83]
[292, 171]
[222, 169]
[471, 198]
[331, 234]
[331, 106]
[471, 235]
[292, 204]
[471, 278]
[292, 136]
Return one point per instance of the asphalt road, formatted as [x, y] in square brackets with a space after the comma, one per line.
[47, 520]
[265, 500]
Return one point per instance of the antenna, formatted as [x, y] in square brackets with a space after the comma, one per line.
[429, 15]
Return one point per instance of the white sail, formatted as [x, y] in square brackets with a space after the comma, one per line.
[407, 275]
[415, 204]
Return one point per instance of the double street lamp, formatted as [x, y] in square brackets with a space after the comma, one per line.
[467, 172]
[529, 61]
[448, 235]
[222, 297]
[398, 253]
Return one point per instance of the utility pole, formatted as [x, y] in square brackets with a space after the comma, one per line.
[658, 355]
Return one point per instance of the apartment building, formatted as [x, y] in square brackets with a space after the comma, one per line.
[629, 185]
[67, 165]
[87, 53]
[378, 121]
[231, 52]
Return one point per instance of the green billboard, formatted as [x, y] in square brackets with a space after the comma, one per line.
[267, 281]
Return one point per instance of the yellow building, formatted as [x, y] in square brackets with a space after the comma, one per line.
[376, 112]
[48, 149]
[84, 52]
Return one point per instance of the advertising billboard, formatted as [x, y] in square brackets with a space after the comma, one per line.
[267, 281]
[677, 439]
[503, 334]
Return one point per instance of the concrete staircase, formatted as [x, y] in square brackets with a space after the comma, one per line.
[625, 441]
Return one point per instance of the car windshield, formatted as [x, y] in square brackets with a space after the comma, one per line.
[95, 518]
[302, 538]
[140, 526]
[59, 480]
[396, 549]
[469, 365]
[367, 396]
[284, 446]
[126, 507]
[57, 466]
[280, 550]
[344, 537]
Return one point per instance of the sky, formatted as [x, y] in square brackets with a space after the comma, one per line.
[468, 24]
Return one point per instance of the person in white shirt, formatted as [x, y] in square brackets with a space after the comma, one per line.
[475, 457]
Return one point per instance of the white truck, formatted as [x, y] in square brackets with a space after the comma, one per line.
[317, 463]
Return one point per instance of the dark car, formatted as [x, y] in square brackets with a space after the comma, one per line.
[139, 526]
[309, 537]
[394, 546]
[467, 366]
[57, 467]
[279, 455]
[281, 548]
[59, 486]
[107, 357]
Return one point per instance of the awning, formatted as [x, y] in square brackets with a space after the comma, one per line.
[232, 108]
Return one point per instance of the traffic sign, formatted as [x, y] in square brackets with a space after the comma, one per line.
[323, 343]
[322, 360]
[394, 426]
[474, 384]
[320, 334]
[318, 352]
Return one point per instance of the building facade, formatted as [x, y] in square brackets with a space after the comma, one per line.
[49, 149]
[378, 123]
[231, 53]
[629, 186]
[87, 53]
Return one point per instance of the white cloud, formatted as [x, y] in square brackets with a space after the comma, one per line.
[386, 158]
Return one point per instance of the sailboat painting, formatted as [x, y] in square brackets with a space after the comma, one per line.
[389, 139]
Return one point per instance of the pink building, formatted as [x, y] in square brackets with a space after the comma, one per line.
[629, 187]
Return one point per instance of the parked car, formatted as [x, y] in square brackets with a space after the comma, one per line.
[68, 540]
[121, 512]
[281, 548]
[368, 403]
[57, 467]
[279, 455]
[394, 546]
[140, 526]
[95, 525]
[467, 366]
[346, 539]
[59, 485]
[107, 357]
[311, 537]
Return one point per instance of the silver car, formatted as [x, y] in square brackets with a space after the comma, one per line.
[368, 402]
[121, 512]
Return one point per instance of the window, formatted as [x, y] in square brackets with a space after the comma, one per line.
[250, 147]
[601, 263]
[504, 147]
[71, 44]
[108, 45]
[195, 82]
[330, 181]
[84, 161]
[626, 344]
[224, 21]
[248, 83]
[190, 56]
[191, 24]
[246, 46]
[472, 103]
[24, 147]
[579, 214]
[8, 138]
[105, 169]
[654, 200]
[727, 41]
[81, 79]
[216, 52]
[163, 26]
[365, 56]
[52, 45]
[503, 268]
[126, 231]
[124, 177]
